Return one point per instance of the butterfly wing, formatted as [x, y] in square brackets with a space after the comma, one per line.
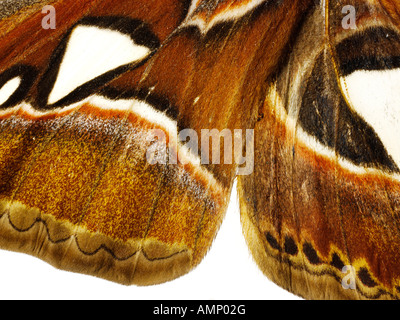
[320, 212]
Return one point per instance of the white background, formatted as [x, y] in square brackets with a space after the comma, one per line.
[228, 272]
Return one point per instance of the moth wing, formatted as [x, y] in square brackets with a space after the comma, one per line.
[320, 212]
[78, 189]
[94, 176]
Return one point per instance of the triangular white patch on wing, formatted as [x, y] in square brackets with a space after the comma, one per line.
[91, 52]
[375, 95]
[8, 89]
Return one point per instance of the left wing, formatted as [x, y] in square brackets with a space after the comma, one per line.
[83, 104]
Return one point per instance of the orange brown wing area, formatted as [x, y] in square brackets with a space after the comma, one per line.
[393, 10]
[21, 7]
[86, 199]
[316, 218]
[96, 150]
[218, 80]
[329, 201]
[76, 188]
